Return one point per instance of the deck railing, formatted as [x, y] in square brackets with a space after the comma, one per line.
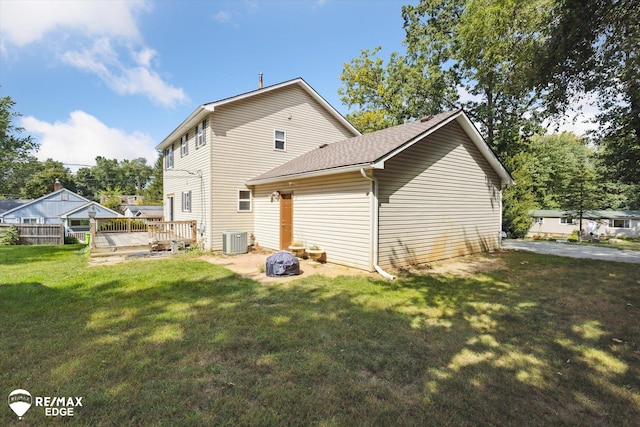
[166, 231]
[121, 225]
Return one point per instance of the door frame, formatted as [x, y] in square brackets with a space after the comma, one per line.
[283, 206]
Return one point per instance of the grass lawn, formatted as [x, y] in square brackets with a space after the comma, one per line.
[541, 340]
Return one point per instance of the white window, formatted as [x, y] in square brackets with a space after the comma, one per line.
[244, 200]
[29, 220]
[201, 134]
[538, 220]
[619, 223]
[280, 142]
[566, 220]
[186, 201]
[168, 157]
[184, 145]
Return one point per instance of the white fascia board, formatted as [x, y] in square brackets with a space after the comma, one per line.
[484, 149]
[313, 174]
[194, 118]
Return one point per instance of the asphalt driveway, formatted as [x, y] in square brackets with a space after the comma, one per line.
[574, 250]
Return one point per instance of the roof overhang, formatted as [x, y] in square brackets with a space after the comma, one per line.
[312, 174]
[203, 111]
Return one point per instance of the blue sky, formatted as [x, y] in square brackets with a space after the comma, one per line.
[114, 78]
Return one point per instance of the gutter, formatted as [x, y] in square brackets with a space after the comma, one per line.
[374, 230]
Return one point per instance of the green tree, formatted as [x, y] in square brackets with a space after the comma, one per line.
[153, 193]
[42, 182]
[16, 151]
[136, 174]
[593, 47]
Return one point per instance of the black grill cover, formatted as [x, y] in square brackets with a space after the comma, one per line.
[282, 263]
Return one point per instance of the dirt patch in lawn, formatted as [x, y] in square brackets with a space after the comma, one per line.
[252, 265]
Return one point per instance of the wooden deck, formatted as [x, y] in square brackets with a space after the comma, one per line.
[153, 236]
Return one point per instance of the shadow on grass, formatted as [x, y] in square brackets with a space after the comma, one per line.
[198, 345]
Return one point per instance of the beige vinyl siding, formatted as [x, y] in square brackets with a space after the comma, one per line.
[438, 199]
[332, 212]
[242, 147]
[185, 177]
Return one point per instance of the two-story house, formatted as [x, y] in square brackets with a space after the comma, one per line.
[280, 164]
[211, 155]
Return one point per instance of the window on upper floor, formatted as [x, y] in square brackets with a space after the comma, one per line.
[244, 200]
[619, 223]
[280, 142]
[186, 201]
[201, 134]
[184, 145]
[168, 158]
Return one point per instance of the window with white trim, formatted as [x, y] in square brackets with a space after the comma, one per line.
[186, 201]
[280, 142]
[566, 220]
[168, 157]
[244, 200]
[619, 223]
[184, 145]
[201, 134]
[538, 220]
[29, 220]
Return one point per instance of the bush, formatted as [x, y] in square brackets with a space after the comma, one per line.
[11, 237]
[70, 240]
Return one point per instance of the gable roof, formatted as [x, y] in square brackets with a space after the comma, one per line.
[86, 206]
[373, 149]
[46, 196]
[200, 113]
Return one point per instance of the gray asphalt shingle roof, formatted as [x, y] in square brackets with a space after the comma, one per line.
[359, 150]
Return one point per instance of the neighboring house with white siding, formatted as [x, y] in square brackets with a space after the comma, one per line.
[410, 194]
[281, 164]
[602, 223]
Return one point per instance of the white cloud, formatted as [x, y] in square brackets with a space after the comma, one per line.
[116, 55]
[222, 17]
[83, 137]
[101, 59]
[26, 21]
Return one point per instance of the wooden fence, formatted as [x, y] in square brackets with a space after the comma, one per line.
[40, 234]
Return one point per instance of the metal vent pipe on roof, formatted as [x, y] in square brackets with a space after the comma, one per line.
[260, 80]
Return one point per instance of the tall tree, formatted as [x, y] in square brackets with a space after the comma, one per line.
[42, 181]
[153, 194]
[16, 151]
[593, 47]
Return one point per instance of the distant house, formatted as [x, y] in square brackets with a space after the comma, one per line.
[602, 223]
[148, 212]
[282, 165]
[63, 206]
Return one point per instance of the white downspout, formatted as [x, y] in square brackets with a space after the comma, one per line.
[374, 226]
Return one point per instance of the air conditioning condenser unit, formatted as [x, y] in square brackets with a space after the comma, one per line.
[234, 242]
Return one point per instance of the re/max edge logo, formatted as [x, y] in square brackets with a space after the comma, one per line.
[21, 400]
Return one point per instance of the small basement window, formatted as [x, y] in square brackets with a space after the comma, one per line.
[244, 200]
[280, 141]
